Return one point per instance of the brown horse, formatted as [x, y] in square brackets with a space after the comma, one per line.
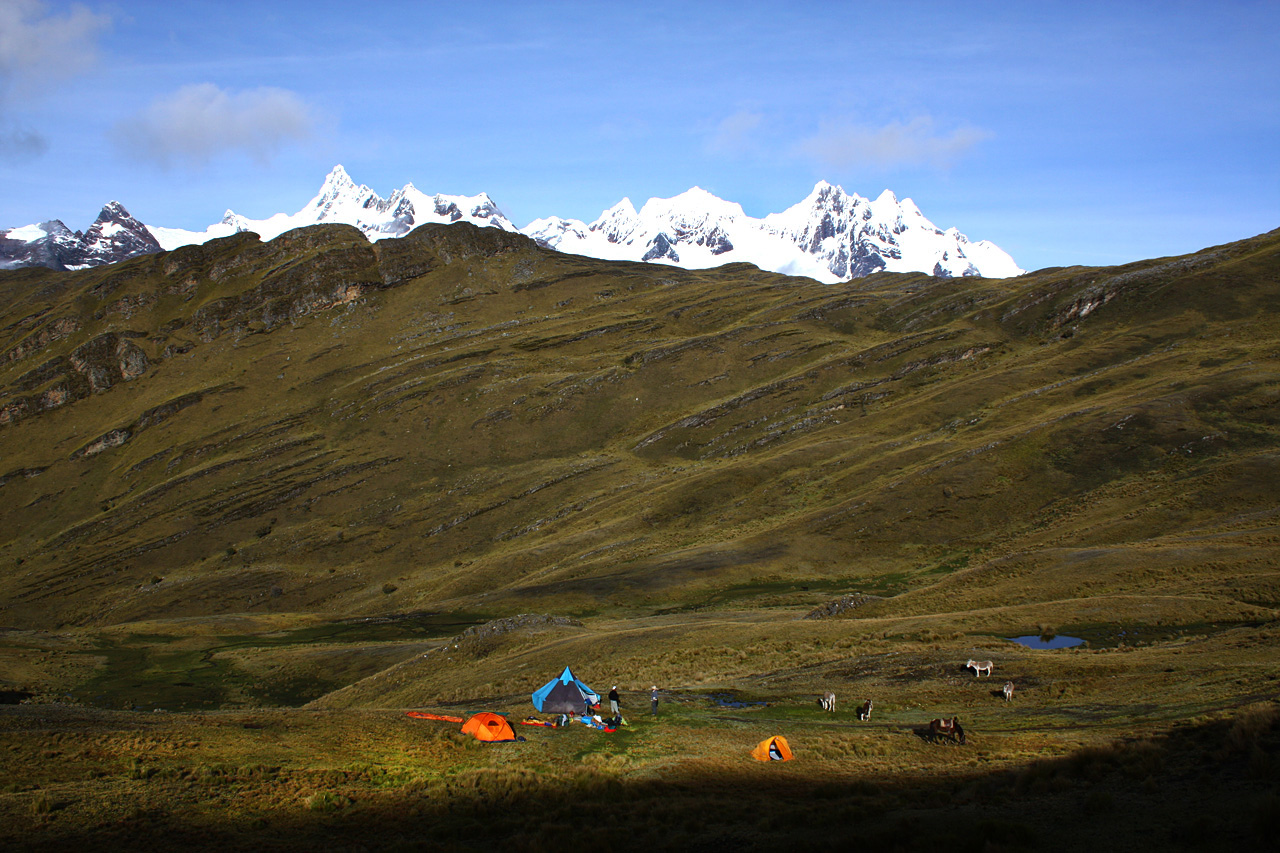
[948, 728]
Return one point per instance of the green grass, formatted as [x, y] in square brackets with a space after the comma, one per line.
[684, 779]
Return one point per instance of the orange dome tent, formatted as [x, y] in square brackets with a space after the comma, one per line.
[773, 748]
[489, 727]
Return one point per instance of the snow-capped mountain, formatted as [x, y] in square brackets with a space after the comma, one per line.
[113, 236]
[830, 236]
[340, 200]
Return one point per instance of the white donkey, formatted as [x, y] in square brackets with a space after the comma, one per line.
[828, 701]
[980, 666]
[1008, 691]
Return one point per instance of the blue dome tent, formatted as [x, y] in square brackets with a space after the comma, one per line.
[564, 694]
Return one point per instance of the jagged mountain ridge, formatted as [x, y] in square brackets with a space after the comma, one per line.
[342, 201]
[829, 236]
[114, 236]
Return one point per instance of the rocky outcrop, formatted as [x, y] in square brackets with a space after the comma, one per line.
[93, 367]
[842, 605]
[252, 288]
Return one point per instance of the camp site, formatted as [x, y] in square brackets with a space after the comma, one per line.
[426, 755]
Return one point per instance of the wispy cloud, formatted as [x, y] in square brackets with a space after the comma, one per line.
[20, 143]
[919, 142]
[200, 123]
[37, 51]
[734, 134]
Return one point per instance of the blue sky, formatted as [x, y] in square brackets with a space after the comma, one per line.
[1066, 133]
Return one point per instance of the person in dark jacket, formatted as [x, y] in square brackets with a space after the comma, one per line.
[653, 700]
[613, 701]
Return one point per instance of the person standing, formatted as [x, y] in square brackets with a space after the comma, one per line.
[653, 700]
[613, 701]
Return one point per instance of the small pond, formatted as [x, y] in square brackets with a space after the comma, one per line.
[729, 700]
[1061, 641]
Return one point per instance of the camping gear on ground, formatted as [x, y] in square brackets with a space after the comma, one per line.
[773, 748]
[596, 723]
[533, 721]
[565, 694]
[489, 727]
[423, 715]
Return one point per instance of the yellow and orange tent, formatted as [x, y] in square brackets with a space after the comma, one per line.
[489, 727]
[773, 748]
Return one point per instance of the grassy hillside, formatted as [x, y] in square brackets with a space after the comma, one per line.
[314, 472]
[301, 425]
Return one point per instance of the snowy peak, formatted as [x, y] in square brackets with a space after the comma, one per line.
[338, 181]
[341, 200]
[857, 237]
[114, 236]
[831, 235]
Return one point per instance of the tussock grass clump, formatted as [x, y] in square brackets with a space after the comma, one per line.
[326, 802]
[41, 803]
[1251, 725]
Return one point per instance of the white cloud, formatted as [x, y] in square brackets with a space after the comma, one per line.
[733, 135]
[38, 49]
[918, 142]
[199, 123]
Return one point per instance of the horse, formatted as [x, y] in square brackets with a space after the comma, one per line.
[1008, 691]
[950, 728]
[864, 712]
[828, 701]
[980, 666]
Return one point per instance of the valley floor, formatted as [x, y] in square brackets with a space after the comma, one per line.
[1133, 758]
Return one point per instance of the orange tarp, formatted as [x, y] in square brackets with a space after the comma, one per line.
[773, 748]
[423, 715]
[488, 726]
